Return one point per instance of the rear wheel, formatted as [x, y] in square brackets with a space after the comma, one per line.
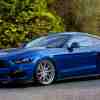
[45, 73]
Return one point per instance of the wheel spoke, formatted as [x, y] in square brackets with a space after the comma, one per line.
[47, 77]
[39, 73]
[48, 71]
[41, 67]
[45, 65]
[39, 77]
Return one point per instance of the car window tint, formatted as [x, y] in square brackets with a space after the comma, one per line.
[88, 41]
[84, 41]
[49, 41]
[56, 43]
[81, 40]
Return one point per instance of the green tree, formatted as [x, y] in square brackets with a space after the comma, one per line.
[22, 20]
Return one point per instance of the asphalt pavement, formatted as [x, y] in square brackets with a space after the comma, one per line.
[88, 89]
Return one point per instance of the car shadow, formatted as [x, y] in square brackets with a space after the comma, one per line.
[18, 85]
[76, 80]
[27, 85]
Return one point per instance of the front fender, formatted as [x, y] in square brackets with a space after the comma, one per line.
[50, 58]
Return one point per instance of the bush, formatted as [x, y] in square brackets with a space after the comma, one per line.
[23, 20]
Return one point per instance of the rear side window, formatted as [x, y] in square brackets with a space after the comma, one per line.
[84, 41]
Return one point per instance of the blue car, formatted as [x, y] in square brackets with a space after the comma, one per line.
[54, 57]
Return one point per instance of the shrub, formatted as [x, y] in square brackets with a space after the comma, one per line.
[23, 20]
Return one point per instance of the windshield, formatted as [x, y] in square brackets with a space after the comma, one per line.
[37, 42]
[48, 41]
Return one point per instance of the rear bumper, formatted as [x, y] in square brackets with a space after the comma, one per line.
[18, 72]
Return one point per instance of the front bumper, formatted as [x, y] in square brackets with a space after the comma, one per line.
[17, 72]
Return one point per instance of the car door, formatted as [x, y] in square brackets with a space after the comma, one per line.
[81, 60]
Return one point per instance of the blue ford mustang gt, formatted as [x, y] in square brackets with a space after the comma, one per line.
[53, 57]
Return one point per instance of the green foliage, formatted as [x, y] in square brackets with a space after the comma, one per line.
[22, 20]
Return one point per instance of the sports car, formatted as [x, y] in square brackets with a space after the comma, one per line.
[51, 58]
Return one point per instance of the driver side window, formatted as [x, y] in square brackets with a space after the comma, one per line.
[81, 41]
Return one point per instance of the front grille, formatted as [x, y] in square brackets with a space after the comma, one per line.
[3, 64]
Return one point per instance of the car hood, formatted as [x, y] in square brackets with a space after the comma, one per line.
[18, 52]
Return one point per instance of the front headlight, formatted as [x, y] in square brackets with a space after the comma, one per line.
[24, 60]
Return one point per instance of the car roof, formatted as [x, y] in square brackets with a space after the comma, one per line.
[74, 33]
[77, 34]
[68, 33]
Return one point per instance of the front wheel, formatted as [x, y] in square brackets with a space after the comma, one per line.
[45, 73]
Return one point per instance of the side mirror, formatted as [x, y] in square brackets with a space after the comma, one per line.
[73, 46]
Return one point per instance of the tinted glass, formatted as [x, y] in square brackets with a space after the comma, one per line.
[49, 41]
[83, 41]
